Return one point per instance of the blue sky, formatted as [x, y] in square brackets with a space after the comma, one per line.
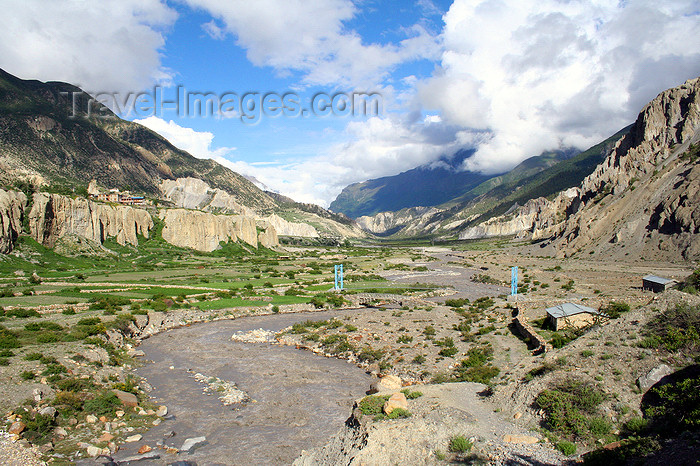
[508, 78]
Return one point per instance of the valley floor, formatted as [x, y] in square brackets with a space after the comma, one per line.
[439, 318]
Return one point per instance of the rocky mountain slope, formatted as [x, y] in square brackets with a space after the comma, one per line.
[426, 185]
[642, 200]
[48, 139]
[41, 142]
[543, 175]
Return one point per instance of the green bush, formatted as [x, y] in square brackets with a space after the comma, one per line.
[22, 313]
[420, 359]
[397, 413]
[27, 375]
[6, 353]
[636, 426]
[39, 427]
[460, 444]
[103, 404]
[566, 447]
[404, 339]
[676, 330]
[48, 337]
[677, 406]
[8, 339]
[69, 311]
[33, 356]
[615, 309]
[411, 395]
[370, 355]
[372, 404]
[4, 361]
[448, 352]
[568, 407]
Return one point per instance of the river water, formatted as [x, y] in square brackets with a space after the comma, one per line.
[301, 398]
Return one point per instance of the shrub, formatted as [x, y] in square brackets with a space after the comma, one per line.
[397, 413]
[448, 352]
[8, 339]
[370, 355]
[636, 426]
[103, 404]
[411, 395]
[6, 353]
[615, 309]
[33, 356]
[4, 361]
[38, 427]
[372, 404]
[69, 311]
[567, 407]
[22, 313]
[677, 406]
[420, 359]
[429, 331]
[48, 337]
[404, 339]
[676, 330]
[27, 375]
[566, 447]
[275, 309]
[54, 369]
[459, 444]
[69, 399]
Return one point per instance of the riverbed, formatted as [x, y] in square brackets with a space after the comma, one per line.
[301, 399]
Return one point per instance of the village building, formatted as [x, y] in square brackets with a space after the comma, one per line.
[571, 315]
[657, 284]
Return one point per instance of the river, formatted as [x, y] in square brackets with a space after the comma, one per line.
[301, 398]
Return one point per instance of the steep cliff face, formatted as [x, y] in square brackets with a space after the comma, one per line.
[12, 205]
[53, 216]
[285, 228]
[204, 231]
[642, 200]
[193, 193]
[405, 222]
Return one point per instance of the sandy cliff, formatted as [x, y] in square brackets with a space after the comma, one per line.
[53, 216]
[12, 205]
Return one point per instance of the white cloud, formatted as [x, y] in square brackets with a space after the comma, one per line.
[197, 143]
[309, 36]
[108, 45]
[540, 74]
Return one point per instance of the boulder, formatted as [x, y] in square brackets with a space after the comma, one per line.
[90, 419]
[192, 443]
[397, 400]
[647, 381]
[127, 399]
[144, 449]
[134, 438]
[106, 437]
[388, 383]
[49, 411]
[162, 411]
[17, 428]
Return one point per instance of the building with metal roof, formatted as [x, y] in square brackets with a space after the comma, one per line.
[573, 315]
[657, 284]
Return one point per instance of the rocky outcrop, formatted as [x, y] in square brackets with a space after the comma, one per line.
[644, 195]
[204, 231]
[285, 228]
[193, 193]
[536, 219]
[268, 236]
[53, 216]
[405, 222]
[12, 205]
